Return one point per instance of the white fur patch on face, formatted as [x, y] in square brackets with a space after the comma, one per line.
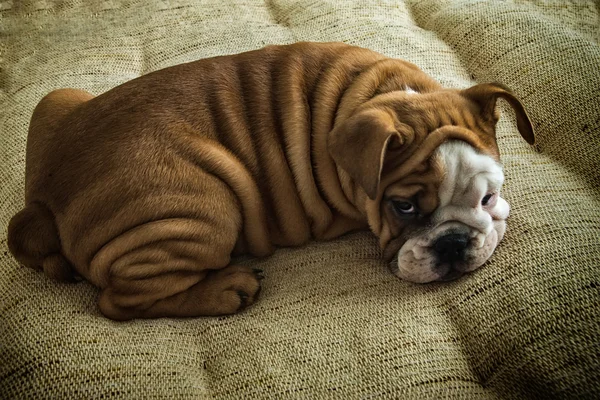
[410, 90]
[468, 223]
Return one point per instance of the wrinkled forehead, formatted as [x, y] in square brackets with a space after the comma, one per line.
[467, 175]
[426, 112]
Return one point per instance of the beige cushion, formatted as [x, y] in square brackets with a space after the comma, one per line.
[332, 321]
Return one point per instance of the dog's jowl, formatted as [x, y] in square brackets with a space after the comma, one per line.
[149, 189]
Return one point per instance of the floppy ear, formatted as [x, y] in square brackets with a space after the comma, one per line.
[359, 145]
[486, 94]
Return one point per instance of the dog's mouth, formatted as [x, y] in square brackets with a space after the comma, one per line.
[453, 273]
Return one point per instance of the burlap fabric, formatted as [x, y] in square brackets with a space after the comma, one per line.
[333, 322]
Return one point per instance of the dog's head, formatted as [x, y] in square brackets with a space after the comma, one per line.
[426, 168]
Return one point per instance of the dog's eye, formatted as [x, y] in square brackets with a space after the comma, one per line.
[486, 199]
[404, 207]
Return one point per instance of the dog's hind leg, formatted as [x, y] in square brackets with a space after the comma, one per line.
[215, 292]
[173, 268]
[32, 234]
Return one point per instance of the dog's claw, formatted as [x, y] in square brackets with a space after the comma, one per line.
[258, 273]
[243, 299]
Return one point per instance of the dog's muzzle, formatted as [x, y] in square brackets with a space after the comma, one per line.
[450, 250]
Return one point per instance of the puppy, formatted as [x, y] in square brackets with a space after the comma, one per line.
[149, 189]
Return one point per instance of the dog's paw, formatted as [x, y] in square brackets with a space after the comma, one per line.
[232, 289]
[219, 292]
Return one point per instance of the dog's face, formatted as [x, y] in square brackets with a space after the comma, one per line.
[463, 229]
[433, 194]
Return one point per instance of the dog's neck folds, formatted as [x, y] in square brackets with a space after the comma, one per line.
[368, 77]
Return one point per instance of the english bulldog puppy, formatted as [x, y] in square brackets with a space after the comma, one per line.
[148, 190]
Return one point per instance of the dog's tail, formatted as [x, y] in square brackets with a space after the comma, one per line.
[33, 240]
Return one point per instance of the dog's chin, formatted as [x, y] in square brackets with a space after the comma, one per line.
[416, 260]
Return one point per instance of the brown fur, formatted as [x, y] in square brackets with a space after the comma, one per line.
[148, 189]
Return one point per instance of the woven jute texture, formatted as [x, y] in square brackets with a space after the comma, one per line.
[332, 321]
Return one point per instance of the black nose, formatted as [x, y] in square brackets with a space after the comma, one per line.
[451, 247]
